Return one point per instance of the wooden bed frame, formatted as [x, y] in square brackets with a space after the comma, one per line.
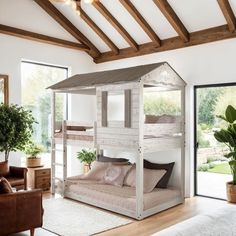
[129, 134]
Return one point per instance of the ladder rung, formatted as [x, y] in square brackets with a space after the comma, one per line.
[56, 178]
[58, 164]
[58, 150]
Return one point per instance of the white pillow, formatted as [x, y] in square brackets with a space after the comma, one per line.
[150, 178]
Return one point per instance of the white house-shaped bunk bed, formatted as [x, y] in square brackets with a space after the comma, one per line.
[134, 133]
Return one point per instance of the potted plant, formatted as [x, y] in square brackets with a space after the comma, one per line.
[228, 137]
[86, 157]
[16, 128]
[33, 150]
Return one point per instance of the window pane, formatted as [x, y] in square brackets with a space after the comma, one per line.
[35, 96]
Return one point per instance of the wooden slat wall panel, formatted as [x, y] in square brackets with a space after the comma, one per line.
[114, 130]
[162, 129]
[115, 134]
[161, 144]
[118, 143]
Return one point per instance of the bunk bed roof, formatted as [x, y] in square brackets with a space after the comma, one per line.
[91, 80]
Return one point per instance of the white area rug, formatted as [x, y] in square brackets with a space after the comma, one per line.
[221, 222]
[69, 218]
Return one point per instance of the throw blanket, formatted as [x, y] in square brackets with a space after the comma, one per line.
[221, 222]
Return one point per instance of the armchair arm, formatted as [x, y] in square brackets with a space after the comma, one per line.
[20, 211]
[18, 171]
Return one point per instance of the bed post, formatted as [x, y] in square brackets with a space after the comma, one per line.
[53, 145]
[183, 143]
[64, 132]
[139, 161]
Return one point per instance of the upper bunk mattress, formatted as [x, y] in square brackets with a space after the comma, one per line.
[120, 197]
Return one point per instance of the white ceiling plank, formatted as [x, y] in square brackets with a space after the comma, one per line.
[198, 15]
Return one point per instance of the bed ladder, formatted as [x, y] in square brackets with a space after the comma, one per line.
[64, 160]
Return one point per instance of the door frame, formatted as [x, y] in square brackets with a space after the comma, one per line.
[195, 87]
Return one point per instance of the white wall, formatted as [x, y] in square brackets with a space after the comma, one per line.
[204, 64]
[13, 50]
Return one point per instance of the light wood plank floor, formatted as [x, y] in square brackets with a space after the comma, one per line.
[190, 208]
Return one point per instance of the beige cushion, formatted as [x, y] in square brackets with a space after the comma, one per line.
[115, 174]
[97, 171]
[150, 178]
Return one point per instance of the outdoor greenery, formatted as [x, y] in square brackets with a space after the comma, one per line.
[33, 149]
[203, 143]
[162, 103]
[16, 128]
[207, 104]
[86, 156]
[222, 168]
[35, 96]
[227, 135]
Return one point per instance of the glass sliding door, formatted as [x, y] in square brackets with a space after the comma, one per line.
[212, 170]
[35, 78]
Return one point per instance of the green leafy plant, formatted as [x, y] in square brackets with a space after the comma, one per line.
[203, 167]
[16, 128]
[227, 136]
[87, 156]
[33, 149]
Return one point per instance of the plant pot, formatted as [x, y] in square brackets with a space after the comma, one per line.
[33, 162]
[231, 192]
[86, 168]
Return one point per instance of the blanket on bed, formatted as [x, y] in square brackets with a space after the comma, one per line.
[220, 222]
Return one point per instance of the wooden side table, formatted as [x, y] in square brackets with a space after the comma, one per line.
[39, 177]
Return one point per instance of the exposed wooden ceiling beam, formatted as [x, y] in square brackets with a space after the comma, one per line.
[173, 19]
[141, 21]
[110, 18]
[67, 25]
[4, 29]
[98, 31]
[228, 14]
[196, 38]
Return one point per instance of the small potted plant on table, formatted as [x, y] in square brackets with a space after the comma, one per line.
[86, 157]
[228, 137]
[33, 150]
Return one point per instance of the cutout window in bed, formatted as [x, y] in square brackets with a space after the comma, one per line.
[115, 106]
[162, 106]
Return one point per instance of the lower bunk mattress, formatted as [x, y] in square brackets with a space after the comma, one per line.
[120, 199]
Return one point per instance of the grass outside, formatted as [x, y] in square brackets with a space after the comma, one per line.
[223, 168]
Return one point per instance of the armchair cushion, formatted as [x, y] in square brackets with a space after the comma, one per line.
[5, 186]
[4, 169]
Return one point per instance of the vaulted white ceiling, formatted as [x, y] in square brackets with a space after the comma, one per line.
[195, 15]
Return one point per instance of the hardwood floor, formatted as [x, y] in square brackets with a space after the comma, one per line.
[190, 208]
[146, 227]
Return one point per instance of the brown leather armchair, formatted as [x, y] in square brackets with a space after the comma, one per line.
[16, 176]
[20, 211]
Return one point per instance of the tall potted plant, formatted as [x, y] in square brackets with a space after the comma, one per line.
[227, 136]
[86, 157]
[16, 128]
